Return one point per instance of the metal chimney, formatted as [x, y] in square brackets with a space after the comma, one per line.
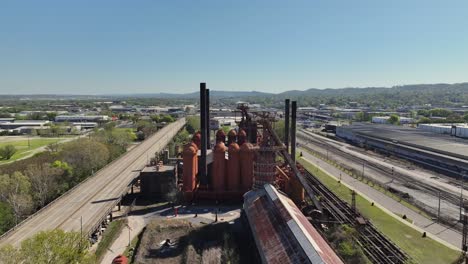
[286, 124]
[203, 130]
[293, 130]
[207, 111]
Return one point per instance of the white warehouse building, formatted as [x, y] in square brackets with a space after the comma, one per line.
[384, 120]
[81, 118]
[458, 130]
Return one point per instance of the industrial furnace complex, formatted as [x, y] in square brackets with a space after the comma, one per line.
[252, 164]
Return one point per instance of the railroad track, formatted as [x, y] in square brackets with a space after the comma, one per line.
[378, 248]
[434, 191]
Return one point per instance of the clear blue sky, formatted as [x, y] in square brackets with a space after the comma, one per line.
[92, 47]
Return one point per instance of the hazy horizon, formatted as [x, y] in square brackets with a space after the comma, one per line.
[215, 90]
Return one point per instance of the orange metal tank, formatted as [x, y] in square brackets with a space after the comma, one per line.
[220, 136]
[219, 167]
[233, 167]
[232, 136]
[247, 166]
[190, 166]
[197, 139]
[241, 137]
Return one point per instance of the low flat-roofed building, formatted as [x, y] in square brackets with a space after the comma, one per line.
[7, 119]
[81, 118]
[21, 123]
[85, 125]
[158, 181]
[384, 120]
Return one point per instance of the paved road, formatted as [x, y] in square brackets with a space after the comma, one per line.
[441, 233]
[93, 198]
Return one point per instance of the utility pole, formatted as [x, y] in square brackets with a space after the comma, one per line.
[461, 193]
[81, 231]
[362, 170]
[438, 210]
[465, 231]
[353, 200]
[129, 238]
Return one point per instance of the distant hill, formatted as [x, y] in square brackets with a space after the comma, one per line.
[397, 96]
[213, 93]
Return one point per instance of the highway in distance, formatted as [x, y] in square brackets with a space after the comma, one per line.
[89, 202]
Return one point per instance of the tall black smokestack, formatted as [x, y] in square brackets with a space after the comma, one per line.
[208, 119]
[293, 130]
[286, 124]
[203, 130]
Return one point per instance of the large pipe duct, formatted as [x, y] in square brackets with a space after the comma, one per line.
[203, 120]
[207, 111]
[293, 130]
[286, 124]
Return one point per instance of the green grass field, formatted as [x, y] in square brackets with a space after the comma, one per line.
[24, 148]
[421, 250]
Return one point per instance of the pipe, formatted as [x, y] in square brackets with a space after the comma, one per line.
[207, 111]
[293, 130]
[286, 124]
[203, 169]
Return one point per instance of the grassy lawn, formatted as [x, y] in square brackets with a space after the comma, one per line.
[125, 129]
[421, 250]
[23, 149]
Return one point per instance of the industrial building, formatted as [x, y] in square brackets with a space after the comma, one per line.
[243, 166]
[158, 181]
[443, 153]
[81, 118]
[457, 130]
[384, 120]
[10, 125]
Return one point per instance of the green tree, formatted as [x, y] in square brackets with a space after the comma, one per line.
[7, 152]
[15, 190]
[359, 116]
[146, 127]
[424, 120]
[51, 116]
[84, 156]
[394, 119]
[55, 246]
[7, 217]
[465, 117]
[193, 124]
[156, 118]
[44, 180]
[226, 129]
[279, 129]
[167, 119]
